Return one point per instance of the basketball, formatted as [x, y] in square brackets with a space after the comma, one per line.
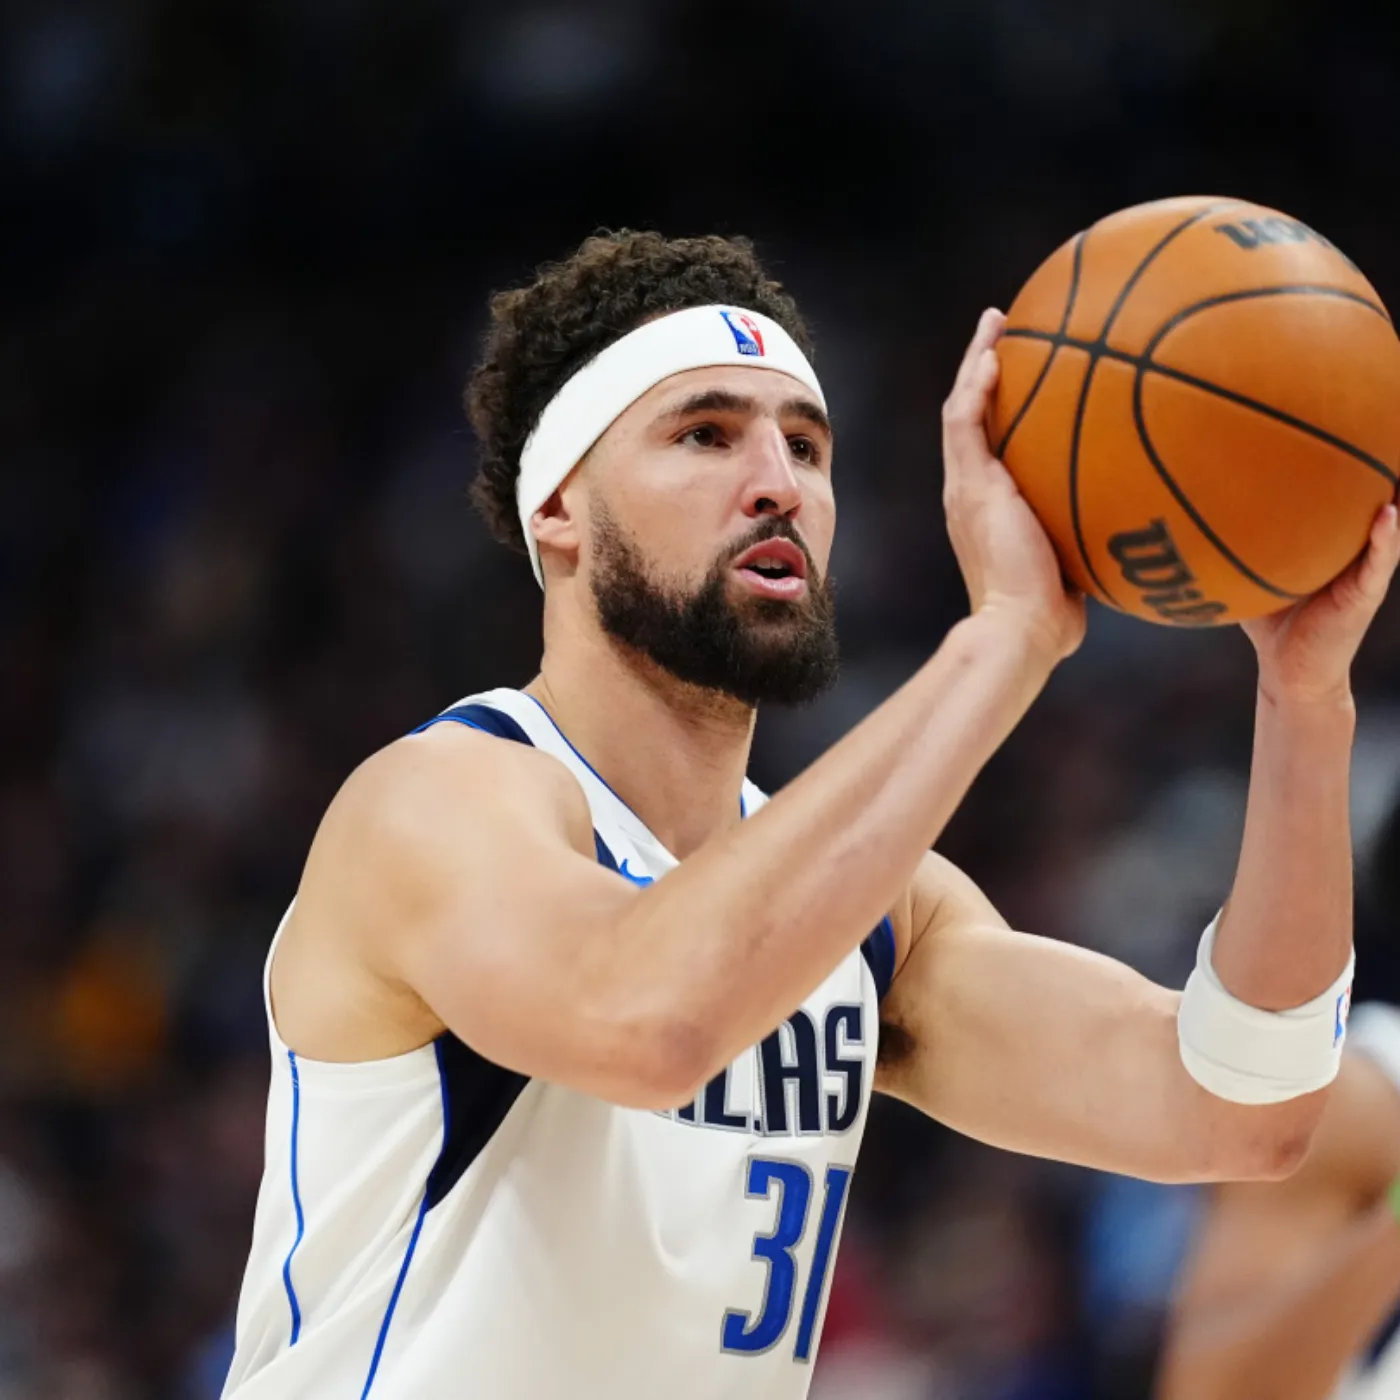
[1200, 399]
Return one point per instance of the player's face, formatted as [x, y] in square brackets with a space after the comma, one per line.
[710, 520]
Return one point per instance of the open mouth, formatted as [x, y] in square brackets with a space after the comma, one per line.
[775, 568]
[774, 559]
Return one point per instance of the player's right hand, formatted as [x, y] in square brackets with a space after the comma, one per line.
[1006, 558]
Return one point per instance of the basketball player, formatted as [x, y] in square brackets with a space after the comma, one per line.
[574, 1032]
[1294, 1289]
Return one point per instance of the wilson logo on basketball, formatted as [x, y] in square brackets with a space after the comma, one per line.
[1262, 233]
[1151, 563]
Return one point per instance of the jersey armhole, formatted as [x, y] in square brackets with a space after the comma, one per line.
[879, 953]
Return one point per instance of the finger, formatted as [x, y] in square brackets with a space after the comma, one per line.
[1377, 566]
[965, 413]
[989, 327]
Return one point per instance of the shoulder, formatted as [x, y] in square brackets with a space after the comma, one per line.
[428, 817]
[451, 779]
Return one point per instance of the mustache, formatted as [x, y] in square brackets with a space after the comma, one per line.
[773, 527]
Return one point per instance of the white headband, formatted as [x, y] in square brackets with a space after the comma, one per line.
[588, 403]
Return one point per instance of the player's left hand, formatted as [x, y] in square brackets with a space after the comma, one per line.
[1305, 652]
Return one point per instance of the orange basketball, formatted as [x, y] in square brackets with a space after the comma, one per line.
[1200, 399]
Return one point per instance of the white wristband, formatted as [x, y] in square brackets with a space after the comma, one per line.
[1246, 1055]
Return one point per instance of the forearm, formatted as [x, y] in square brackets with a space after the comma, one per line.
[1286, 933]
[747, 926]
[1292, 1342]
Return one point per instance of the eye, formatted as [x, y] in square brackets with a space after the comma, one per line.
[703, 435]
[805, 450]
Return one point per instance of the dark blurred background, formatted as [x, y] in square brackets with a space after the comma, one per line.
[245, 248]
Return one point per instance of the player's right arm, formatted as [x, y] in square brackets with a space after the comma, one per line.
[454, 883]
[1289, 1280]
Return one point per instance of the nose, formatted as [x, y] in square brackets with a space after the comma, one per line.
[772, 486]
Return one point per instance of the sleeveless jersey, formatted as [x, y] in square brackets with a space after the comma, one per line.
[1374, 1031]
[433, 1226]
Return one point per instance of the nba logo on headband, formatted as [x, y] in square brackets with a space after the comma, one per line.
[747, 335]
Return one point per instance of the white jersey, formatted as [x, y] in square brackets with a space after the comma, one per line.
[432, 1226]
[1374, 1031]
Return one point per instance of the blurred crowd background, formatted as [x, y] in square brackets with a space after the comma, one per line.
[245, 247]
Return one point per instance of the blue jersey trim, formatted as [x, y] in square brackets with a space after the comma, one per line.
[481, 717]
[576, 753]
[413, 1238]
[394, 1296]
[742, 812]
[879, 953]
[296, 1201]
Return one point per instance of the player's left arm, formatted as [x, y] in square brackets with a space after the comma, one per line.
[1040, 1047]
[1048, 1049]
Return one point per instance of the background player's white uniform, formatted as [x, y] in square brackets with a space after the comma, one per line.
[1374, 1031]
[434, 1226]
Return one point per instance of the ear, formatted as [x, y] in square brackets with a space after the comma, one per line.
[556, 528]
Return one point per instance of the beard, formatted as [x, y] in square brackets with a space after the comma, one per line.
[755, 650]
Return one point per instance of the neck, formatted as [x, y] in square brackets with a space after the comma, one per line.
[674, 753]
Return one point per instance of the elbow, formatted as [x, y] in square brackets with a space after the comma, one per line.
[1281, 1154]
[658, 1062]
[1264, 1144]
[680, 1059]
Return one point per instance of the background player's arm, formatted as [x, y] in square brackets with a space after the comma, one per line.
[1289, 1281]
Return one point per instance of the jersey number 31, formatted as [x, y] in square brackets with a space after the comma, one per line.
[750, 1335]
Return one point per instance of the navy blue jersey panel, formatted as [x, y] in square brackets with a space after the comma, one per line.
[476, 1096]
[1382, 1339]
[480, 717]
[878, 952]
[605, 857]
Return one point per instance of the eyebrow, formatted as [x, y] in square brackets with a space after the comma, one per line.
[726, 401]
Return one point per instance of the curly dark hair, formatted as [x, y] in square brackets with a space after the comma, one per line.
[543, 333]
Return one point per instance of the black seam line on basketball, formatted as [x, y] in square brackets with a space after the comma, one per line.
[1144, 362]
[1251, 294]
[1074, 484]
[1140, 418]
[1000, 449]
[1279, 289]
[1094, 356]
[1219, 391]
[1136, 275]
